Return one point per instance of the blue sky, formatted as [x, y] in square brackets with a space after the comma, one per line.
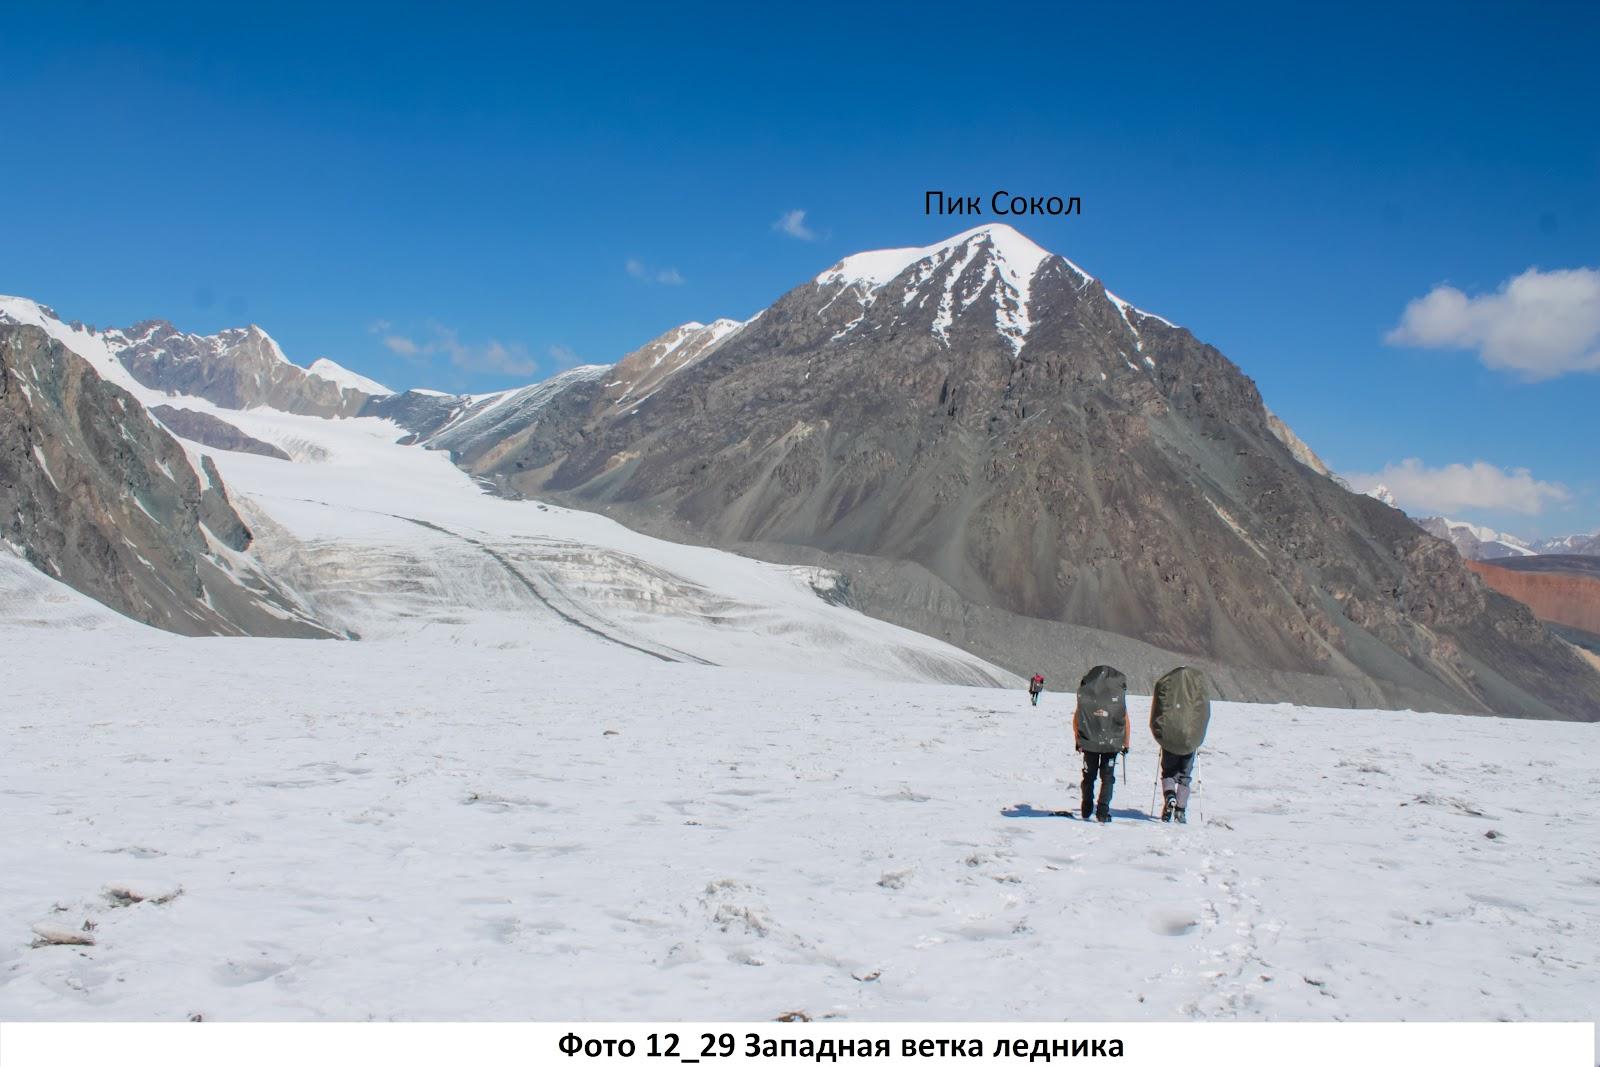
[515, 192]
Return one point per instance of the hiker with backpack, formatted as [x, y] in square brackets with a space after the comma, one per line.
[1035, 687]
[1180, 711]
[1100, 731]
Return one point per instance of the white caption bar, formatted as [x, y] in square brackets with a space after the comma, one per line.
[699, 1044]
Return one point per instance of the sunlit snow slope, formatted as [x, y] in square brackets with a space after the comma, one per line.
[412, 828]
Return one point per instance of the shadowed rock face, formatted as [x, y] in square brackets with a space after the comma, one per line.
[992, 415]
[238, 368]
[209, 430]
[95, 493]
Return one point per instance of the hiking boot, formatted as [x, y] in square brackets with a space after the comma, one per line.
[1180, 815]
[1085, 813]
[1169, 807]
[1103, 816]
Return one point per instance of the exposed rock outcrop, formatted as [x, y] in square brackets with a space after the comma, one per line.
[1559, 589]
[237, 368]
[95, 493]
[205, 429]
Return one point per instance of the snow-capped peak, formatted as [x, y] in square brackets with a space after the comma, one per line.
[1483, 533]
[874, 270]
[348, 379]
[997, 251]
[1006, 256]
[1381, 493]
[253, 332]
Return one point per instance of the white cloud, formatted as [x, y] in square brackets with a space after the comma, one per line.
[1540, 324]
[491, 357]
[793, 223]
[659, 276]
[563, 357]
[1455, 487]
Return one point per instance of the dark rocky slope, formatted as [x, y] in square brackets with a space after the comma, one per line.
[96, 494]
[209, 430]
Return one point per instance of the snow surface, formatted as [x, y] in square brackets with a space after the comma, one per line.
[439, 828]
[349, 379]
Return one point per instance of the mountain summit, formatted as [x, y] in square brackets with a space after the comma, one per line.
[998, 450]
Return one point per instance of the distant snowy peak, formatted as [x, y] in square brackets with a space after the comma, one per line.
[1381, 493]
[1476, 542]
[643, 370]
[237, 368]
[1569, 545]
[954, 275]
[328, 370]
[161, 338]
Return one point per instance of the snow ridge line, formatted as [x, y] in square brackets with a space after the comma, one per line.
[545, 600]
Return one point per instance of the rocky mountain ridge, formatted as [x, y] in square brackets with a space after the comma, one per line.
[98, 495]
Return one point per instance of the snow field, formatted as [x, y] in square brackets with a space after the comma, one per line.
[416, 829]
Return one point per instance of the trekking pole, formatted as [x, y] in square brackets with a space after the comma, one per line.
[1199, 807]
[1155, 788]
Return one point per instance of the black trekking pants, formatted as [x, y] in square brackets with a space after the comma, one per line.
[1176, 772]
[1102, 765]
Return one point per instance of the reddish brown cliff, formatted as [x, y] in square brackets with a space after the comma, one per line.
[1555, 596]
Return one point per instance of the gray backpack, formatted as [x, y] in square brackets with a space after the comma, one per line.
[1180, 711]
[1102, 719]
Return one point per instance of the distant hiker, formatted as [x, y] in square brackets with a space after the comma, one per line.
[1180, 711]
[1100, 731]
[1035, 687]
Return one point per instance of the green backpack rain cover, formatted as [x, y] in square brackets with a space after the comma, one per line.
[1102, 719]
[1180, 711]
